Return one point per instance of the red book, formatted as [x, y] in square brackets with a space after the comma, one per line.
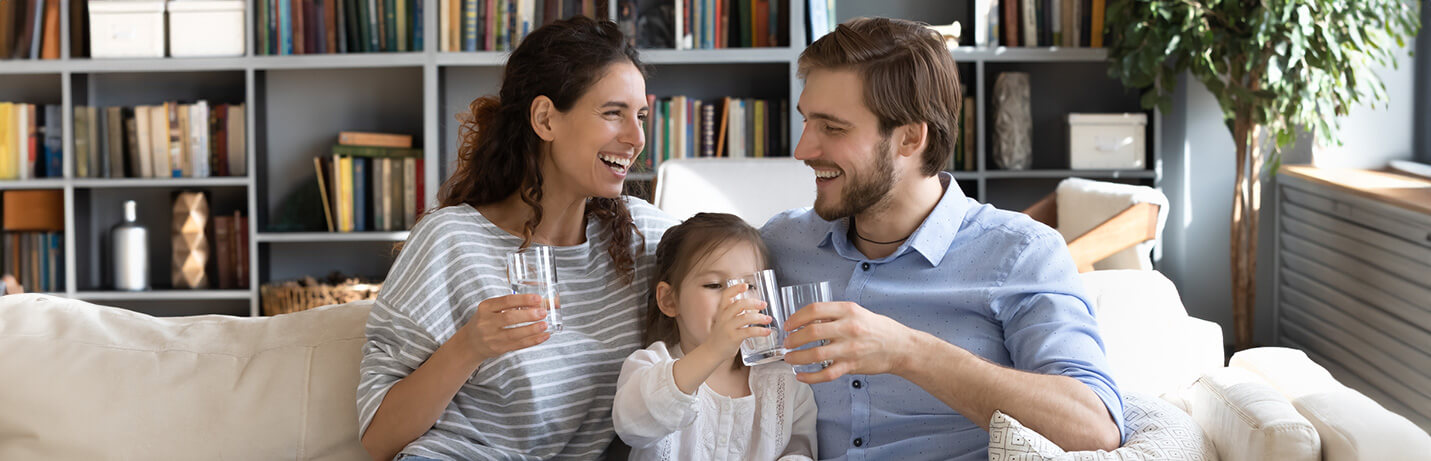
[299, 33]
[224, 251]
[241, 250]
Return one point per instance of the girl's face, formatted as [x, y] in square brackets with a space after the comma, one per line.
[694, 301]
[594, 144]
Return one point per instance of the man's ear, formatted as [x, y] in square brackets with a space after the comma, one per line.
[542, 112]
[666, 299]
[911, 139]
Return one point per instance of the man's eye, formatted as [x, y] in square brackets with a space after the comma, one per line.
[834, 130]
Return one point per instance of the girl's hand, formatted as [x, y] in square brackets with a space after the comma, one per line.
[736, 320]
[489, 333]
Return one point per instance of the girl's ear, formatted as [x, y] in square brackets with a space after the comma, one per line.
[666, 299]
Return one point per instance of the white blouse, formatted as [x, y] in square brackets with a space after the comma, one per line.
[659, 422]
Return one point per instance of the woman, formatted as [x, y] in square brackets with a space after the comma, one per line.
[443, 375]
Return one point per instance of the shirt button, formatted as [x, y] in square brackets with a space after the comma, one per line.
[856, 384]
[865, 266]
[859, 443]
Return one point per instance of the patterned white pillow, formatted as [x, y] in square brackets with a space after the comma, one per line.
[1156, 431]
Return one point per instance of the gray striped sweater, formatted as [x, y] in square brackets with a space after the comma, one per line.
[551, 401]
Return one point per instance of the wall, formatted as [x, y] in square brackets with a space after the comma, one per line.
[1198, 175]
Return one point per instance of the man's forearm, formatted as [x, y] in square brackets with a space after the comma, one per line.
[1061, 408]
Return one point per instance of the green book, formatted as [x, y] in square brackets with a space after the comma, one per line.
[263, 27]
[390, 42]
[373, 151]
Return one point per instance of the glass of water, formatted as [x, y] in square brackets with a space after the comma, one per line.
[794, 298]
[532, 270]
[762, 349]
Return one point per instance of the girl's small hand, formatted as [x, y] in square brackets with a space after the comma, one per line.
[489, 333]
[736, 320]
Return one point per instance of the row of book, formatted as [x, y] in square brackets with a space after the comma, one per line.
[499, 25]
[230, 233]
[1063, 23]
[371, 182]
[707, 24]
[31, 141]
[965, 148]
[160, 141]
[684, 127]
[36, 259]
[338, 26]
[30, 29]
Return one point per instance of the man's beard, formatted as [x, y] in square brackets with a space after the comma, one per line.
[862, 193]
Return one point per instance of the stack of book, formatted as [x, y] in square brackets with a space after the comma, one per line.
[30, 141]
[30, 29]
[683, 127]
[499, 25]
[231, 251]
[338, 26]
[161, 141]
[33, 239]
[710, 24]
[371, 182]
[1030, 23]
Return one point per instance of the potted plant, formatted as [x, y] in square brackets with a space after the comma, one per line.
[1274, 66]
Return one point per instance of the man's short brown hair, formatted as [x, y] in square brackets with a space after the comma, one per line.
[909, 77]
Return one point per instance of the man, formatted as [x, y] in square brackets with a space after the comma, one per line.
[951, 309]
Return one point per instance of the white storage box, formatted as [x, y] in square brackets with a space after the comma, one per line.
[206, 28]
[126, 29]
[1107, 141]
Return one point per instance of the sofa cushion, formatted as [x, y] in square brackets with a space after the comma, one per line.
[1156, 431]
[1247, 419]
[94, 382]
[1153, 345]
[1351, 425]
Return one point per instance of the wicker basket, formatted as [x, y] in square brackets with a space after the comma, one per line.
[294, 296]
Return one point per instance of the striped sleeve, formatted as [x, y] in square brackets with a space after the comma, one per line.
[414, 313]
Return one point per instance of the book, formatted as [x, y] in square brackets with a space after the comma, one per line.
[261, 19]
[199, 157]
[345, 193]
[54, 142]
[131, 146]
[237, 140]
[370, 151]
[357, 138]
[224, 252]
[241, 250]
[34, 210]
[175, 141]
[330, 26]
[323, 191]
[1095, 38]
[159, 142]
[143, 148]
[218, 142]
[1010, 24]
[50, 42]
[971, 137]
[360, 193]
[7, 26]
[113, 140]
[409, 192]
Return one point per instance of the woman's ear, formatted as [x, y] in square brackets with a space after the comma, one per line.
[666, 299]
[542, 112]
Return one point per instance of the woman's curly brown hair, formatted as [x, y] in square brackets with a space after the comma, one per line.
[500, 153]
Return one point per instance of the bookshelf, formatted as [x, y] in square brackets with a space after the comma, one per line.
[296, 104]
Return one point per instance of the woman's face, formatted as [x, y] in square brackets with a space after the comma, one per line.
[594, 144]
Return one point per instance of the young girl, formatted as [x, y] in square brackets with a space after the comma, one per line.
[687, 395]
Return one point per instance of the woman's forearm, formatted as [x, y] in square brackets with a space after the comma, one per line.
[413, 405]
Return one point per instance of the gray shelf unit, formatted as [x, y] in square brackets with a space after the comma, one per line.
[296, 104]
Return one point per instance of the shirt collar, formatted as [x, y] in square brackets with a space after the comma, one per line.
[932, 239]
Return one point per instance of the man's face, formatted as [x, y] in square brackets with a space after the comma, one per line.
[854, 164]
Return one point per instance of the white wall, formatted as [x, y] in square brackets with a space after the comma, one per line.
[1198, 175]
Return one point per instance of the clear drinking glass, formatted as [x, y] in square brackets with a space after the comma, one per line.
[794, 298]
[762, 349]
[533, 271]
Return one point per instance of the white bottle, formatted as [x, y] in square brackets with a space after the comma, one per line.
[131, 252]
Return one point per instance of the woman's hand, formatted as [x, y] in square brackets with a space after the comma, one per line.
[736, 320]
[490, 332]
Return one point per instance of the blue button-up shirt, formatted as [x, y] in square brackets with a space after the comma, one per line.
[993, 282]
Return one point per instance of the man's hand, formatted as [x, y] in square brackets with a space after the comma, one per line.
[860, 341]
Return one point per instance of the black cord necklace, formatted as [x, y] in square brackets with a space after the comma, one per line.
[861, 237]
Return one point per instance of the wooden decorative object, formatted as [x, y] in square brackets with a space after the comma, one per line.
[191, 245]
[1013, 122]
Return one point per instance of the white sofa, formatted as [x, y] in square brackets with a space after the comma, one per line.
[82, 381]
